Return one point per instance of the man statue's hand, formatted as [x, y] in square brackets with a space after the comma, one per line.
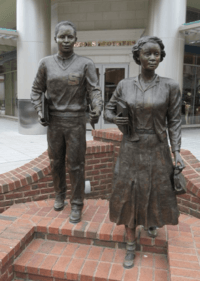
[40, 119]
[94, 115]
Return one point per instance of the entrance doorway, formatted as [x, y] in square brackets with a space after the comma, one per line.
[191, 95]
[191, 86]
[109, 76]
[8, 80]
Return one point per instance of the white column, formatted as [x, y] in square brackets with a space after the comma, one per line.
[165, 17]
[34, 43]
[54, 21]
[134, 69]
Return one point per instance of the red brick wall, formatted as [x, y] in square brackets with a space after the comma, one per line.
[33, 181]
[188, 203]
[109, 135]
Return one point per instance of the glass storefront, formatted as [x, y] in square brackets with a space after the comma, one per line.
[191, 90]
[109, 75]
[8, 80]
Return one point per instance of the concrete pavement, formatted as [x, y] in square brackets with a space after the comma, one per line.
[16, 149]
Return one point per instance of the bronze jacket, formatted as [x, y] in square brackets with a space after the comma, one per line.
[165, 106]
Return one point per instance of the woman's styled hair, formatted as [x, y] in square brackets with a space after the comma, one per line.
[138, 46]
[64, 23]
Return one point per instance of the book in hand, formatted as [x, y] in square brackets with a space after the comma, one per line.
[122, 111]
[45, 109]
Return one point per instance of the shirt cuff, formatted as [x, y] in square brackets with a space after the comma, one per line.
[175, 148]
[38, 108]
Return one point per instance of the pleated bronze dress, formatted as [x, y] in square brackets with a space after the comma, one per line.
[143, 191]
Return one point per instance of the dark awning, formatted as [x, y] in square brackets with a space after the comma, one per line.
[190, 28]
[8, 34]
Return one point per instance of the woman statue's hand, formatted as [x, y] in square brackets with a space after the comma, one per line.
[120, 121]
[178, 159]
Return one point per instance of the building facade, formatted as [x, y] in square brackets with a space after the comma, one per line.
[107, 30]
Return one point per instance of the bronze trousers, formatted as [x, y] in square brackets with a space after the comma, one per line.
[66, 137]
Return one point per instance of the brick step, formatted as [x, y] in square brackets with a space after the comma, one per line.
[23, 224]
[95, 227]
[56, 261]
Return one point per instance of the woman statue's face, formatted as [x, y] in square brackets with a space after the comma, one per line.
[150, 55]
[66, 39]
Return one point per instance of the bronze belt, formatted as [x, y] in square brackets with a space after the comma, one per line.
[141, 131]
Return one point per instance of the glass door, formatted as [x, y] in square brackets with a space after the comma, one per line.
[191, 88]
[112, 75]
[109, 76]
[191, 95]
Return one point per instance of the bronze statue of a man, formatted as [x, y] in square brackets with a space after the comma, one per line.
[69, 80]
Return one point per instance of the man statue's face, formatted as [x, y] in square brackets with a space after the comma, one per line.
[66, 39]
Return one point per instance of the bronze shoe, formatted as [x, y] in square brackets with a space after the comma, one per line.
[130, 255]
[75, 215]
[59, 202]
[152, 232]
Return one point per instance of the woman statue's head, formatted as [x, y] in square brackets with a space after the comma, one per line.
[146, 43]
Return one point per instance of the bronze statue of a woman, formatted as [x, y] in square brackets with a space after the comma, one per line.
[143, 191]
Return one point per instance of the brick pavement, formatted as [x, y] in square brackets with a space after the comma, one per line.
[43, 245]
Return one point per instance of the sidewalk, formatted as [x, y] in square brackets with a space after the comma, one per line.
[17, 149]
[191, 141]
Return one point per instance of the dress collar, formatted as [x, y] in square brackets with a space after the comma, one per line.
[154, 82]
[157, 79]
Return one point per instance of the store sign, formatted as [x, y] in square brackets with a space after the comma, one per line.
[104, 43]
[115, 43]
[85, 44]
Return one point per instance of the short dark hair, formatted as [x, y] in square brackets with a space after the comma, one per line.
[58, 25]
[143, 40]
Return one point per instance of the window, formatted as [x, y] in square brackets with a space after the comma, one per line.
[8, 80]
[192, 15]
[191, 90]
